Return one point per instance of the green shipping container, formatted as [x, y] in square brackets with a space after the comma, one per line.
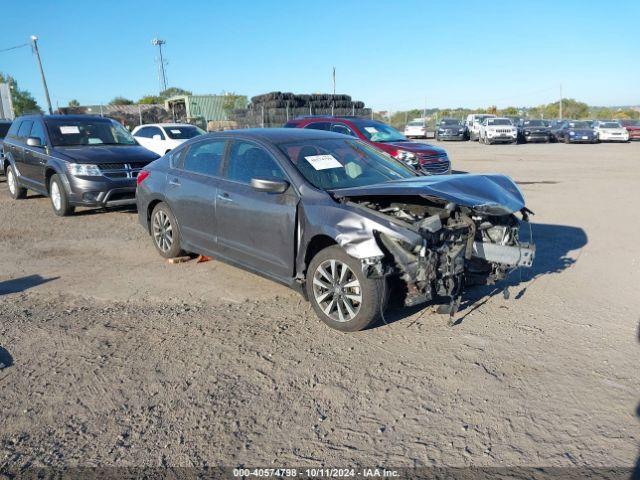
[204, 108]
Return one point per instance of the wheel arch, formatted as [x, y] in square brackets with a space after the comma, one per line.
[317, 243]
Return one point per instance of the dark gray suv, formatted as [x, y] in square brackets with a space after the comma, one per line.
[76, 160]
[334, 217]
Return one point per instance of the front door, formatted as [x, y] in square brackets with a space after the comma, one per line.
[192, 189]
[35, 158]
[256, 228]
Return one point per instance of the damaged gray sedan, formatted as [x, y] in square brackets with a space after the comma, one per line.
[347, 225]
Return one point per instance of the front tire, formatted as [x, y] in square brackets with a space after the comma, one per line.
[340, 293]
[165, 232]
[59, 197]
[15, 190]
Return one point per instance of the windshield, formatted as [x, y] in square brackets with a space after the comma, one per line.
[536, 123]
[65, 133]
[4, 128]
[341, 163]
[499, 121]
[450, 121]
[631, 123]
[610, 125]
[379, 132]
[416, 123]
[578, 125]
[183, 132]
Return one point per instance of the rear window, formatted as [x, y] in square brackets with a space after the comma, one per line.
[183, 132]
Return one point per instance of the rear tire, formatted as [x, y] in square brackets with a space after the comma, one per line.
[59, 198]
[165, 232]
[15, 190]
[340, 293]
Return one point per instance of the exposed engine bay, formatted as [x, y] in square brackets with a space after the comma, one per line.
[457, 246]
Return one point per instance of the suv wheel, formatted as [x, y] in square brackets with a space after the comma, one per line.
[341, 295]
[16, 191]
[59, 198]
[165, 232]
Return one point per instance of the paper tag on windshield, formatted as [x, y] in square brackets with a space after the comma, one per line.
[176, 131]
[371, 129]
[69, 130]
[323, 162]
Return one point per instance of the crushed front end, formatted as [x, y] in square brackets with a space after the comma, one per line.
[456, 246]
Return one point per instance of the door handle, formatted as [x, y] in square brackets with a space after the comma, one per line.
[175, 182]
[225, 197]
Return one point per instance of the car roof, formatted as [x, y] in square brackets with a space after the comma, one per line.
[278, 135]
[65, 117]
[165, 125]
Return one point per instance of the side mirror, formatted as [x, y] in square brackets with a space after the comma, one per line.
[34, 142]
[269, 185]
[156, 137]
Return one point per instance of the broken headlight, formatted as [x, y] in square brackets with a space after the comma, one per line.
[497, 234]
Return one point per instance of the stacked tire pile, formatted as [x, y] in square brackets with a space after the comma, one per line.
[277, 108]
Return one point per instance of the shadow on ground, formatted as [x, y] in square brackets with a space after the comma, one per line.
[6, 360]
[553, 245]
[21, 284]
[95, 211]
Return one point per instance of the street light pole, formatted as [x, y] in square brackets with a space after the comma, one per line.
[163, 76]
[34, 42]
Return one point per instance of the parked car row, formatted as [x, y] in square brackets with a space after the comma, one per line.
[489, 129]
[339, 209]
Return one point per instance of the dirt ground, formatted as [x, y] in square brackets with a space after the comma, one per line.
[113, 357]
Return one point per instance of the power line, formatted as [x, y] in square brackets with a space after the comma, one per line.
[14, 48]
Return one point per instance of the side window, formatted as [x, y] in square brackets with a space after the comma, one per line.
[319, 126]
[343, 129]
[13, 130]
[25, 128]
[205, 157]
[143, 132]
[37, 131]
[247, 160]
[155, 131]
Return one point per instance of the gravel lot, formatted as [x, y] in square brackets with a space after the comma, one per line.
[113, 357]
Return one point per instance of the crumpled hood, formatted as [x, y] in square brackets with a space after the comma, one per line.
[492, 194]
[97, 154]
[415, 147]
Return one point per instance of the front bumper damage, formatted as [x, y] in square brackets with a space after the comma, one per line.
[447, 244]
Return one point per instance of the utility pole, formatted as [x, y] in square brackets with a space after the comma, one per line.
[560, 112]
[34, 43]
[424, 113]
[161, 72]
[333, 103]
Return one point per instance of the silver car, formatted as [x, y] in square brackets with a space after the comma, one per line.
[333, 217]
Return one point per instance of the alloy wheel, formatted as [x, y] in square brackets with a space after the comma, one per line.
[56, 199]
[11, 180]
[337, 290]
[162, 231]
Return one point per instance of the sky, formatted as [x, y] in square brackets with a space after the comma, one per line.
[393, 55]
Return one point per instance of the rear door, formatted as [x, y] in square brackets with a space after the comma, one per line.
[256, 228]
[192, 187]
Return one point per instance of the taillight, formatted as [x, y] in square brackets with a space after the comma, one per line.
[142, 176]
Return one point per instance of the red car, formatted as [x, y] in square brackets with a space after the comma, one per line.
[633, 127]
[421, 156]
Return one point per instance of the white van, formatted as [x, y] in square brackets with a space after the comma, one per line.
[473, 123]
